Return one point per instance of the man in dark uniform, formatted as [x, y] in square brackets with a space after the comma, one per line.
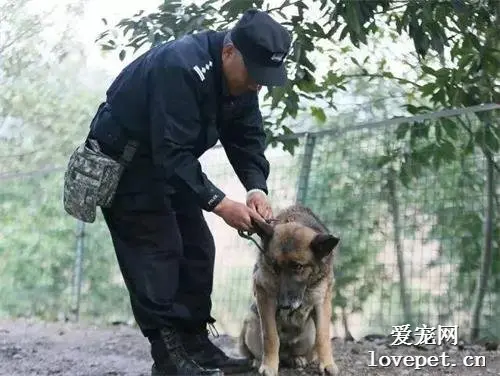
[176, 101]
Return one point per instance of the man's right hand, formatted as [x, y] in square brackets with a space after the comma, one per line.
[237, 215]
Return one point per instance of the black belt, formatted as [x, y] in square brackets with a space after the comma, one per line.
[111, 136]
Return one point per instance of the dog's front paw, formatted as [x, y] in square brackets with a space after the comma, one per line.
[299, 362]
[266, 370]
[328, 369]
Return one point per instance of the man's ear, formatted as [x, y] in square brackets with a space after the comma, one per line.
[323, 244]
[263, 229]
[228, 50]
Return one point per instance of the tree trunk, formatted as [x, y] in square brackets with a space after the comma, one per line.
[394, 210]
[486, 256]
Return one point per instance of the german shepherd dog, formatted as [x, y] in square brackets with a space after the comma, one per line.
[289, 319]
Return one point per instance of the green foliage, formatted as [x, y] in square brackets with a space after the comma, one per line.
[38, 267]
[337, 183]
[349, 188]
[463, 30]
[44, 111]
[442, 184]
[46, 106]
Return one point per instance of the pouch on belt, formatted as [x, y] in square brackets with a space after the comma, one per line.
[91, 178]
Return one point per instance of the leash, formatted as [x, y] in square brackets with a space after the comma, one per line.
[248, 235]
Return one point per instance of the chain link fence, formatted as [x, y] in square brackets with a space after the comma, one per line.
[414, 204]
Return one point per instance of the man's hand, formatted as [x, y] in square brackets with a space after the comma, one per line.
[257, 201]
[237, 215]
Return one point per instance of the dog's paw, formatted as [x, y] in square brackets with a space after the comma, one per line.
[299, 362]
[330, 369]
[266, 370]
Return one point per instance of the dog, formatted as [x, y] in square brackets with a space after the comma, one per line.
[289, 319]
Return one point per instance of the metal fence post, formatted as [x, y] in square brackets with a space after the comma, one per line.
[77, 276]
[305, 169]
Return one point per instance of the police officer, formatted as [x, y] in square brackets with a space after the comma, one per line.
[176, 101]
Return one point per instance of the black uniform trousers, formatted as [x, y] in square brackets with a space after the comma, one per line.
[166, 256]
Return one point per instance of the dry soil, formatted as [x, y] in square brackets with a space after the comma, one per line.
[37, 348]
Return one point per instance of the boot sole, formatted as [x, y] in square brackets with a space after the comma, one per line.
[230, 369]
[157, 372]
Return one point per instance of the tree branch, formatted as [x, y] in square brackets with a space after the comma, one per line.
[280, 7]
[380, 75]
[403, 5]
[471, 134]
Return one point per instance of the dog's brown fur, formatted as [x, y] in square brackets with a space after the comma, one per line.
[293, 289]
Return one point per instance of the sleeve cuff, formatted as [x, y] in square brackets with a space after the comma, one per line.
[255, 190]
[213, 198]
[253, 180]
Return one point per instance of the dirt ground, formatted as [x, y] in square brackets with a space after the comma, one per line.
[35, 348]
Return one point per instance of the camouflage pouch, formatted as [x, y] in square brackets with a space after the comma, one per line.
[91, 179]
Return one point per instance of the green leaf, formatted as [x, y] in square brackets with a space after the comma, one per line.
[491, 140]
[122, 55]
[405, 174]
[352, 18]
[383, 160]
[420, 130]
[450, 128]
[469, 148]
[236, 7]
[479, 136]
[277, 94]
[439, 96]
[474, 41]
[107, 47]
[344, 32]
[290, 144]
[496, 129]
[447, 150]
[428, 89]
[438, 133]
[412, 109]
[318, 113]
[401, 130]
[428, 70]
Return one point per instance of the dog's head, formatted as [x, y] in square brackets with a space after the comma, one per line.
[299, 255]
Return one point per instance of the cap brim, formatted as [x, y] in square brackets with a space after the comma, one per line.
[265, 75]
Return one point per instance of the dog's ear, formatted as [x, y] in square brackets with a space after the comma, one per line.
[323, 244]
[263, 229]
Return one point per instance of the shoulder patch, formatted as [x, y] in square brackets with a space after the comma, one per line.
[200, 71]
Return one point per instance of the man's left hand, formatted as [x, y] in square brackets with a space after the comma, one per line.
[257, 200]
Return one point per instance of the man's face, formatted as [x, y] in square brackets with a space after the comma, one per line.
[237, 78]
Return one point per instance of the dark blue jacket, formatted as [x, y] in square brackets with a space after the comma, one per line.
[174, 101]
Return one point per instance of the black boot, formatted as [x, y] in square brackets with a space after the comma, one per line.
[206, 354]
[171, 359]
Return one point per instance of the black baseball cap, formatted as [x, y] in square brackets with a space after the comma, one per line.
[264, 45]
